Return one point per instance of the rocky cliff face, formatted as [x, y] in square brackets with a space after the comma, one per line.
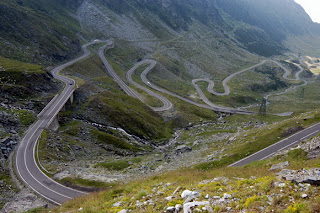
[48, 31]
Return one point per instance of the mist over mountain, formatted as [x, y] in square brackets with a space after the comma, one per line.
[50, 31]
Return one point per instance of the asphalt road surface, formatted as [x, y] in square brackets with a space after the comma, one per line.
[113, 74]
[34, 178]
[166, 103]
[281, 145]
[206, 106]
[26, 165]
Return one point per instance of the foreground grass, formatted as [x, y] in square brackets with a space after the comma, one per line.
[252, 184]
[256, 183]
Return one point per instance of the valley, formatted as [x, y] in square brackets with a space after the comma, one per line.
[171, 106]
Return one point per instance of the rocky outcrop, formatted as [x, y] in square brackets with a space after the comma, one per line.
[279, 166]
[311, 176]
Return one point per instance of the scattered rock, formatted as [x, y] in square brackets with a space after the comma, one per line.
[226, 196]
[123, 211]
[182, 149]
[186, 193]
[117, 204]
[304, 196]
[279, 166]
[279, 184]
[187, 206]
[209, 209]
[169, 198]
[176, 191]
[311, 176]
[171, 209]
[178, 207]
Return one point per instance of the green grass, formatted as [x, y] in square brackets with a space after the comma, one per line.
[37, 210]
[26, 118]
[105, 138]
[87, 69]
[117, 165]
[239, 185]
[10, 65]
[72, 128]
[297, 154]
[52, 33]
[294, 102]
[130, 114]
[257, 139]
[85, 183]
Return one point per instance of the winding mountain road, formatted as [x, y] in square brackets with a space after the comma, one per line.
[225, 82]
[113, 74]
[166, 103]
[25, 162]
[206, 106]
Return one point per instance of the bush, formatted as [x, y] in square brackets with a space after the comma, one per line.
[297, 154]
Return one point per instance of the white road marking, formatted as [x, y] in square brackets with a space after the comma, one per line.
[309, 135]
[38, 126]
[272, 145]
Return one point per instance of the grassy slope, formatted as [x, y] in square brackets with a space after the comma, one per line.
[23, 80]
[252, 184]
[129, 114]
[38, 31]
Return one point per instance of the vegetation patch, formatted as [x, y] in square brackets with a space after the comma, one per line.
[129, 114]
[117, 165]
[85, 183]
[106, 138]
[257, 139]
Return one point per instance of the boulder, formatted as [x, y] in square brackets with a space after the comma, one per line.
[117, 204]
[188, 195]
[182, 149]
[187, 206]
[178, 207]
[171, 209]
[311, 176]
[279, 166]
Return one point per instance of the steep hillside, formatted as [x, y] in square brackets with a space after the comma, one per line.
[38, 31]
[107, 138]
[281, 21]
[50, 31]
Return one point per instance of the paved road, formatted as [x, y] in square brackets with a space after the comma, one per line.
[113, 74]
[213, 107]
[227, 79]
[26, 165]
[166, 103]
[281, 145]
[225, 82]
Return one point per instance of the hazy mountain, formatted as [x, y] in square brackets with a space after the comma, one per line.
[46, 30]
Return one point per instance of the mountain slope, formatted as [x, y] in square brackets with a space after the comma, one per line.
[37, 31]
[280, 20]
